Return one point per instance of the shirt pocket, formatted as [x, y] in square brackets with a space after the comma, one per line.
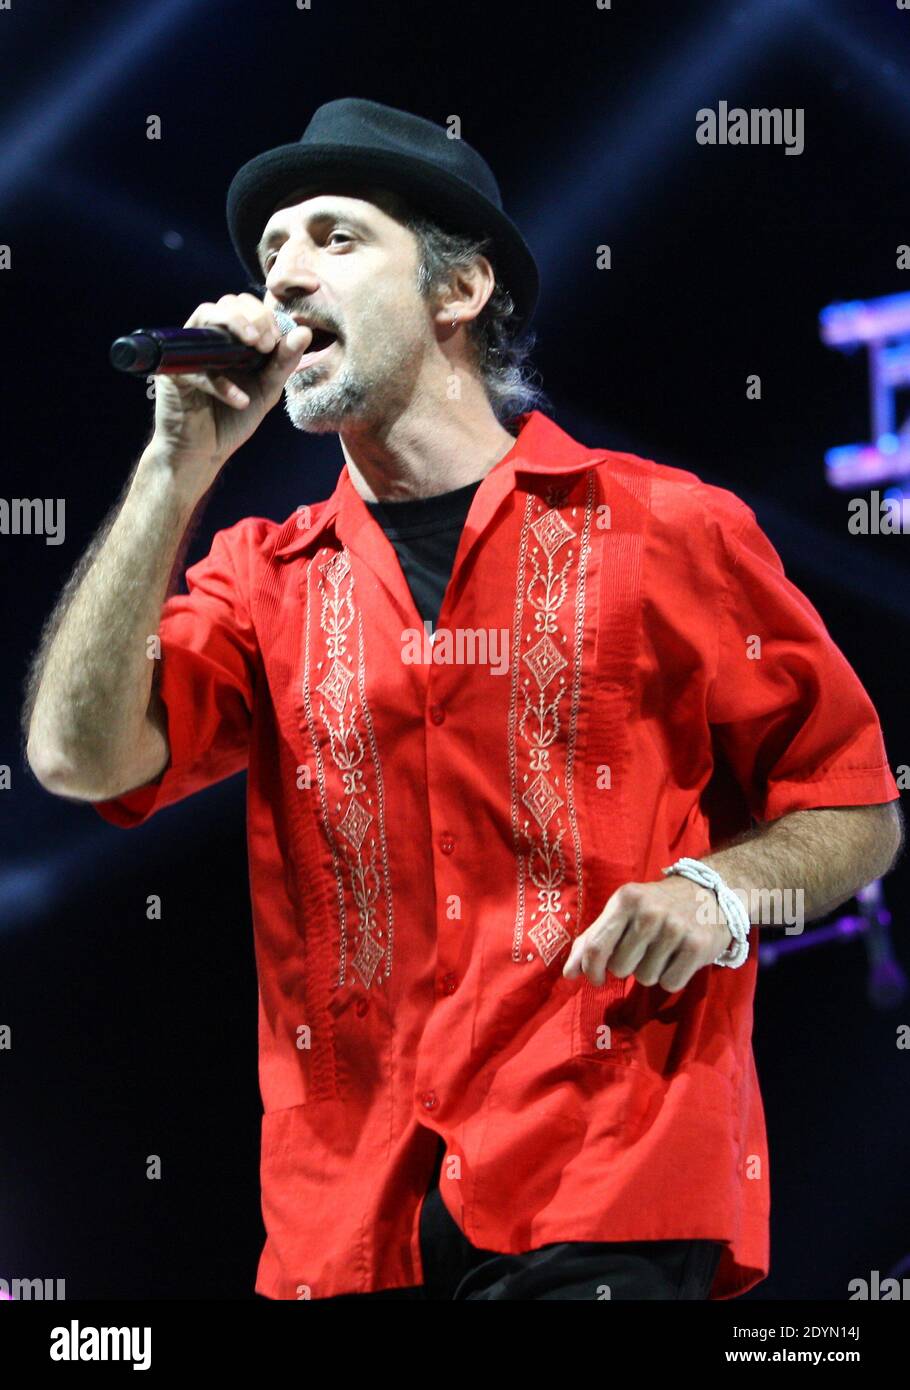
[600, 1028]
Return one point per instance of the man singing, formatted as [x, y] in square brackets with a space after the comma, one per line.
[535, 733]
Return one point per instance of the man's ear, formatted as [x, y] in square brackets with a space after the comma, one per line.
[467, 293]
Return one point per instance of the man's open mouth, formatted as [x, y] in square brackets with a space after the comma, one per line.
[323, 340]
[322, 337]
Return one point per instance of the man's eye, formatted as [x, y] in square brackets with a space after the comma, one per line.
[267, 264]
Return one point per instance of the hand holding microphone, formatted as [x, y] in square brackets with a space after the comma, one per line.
[202, 415]
[179, 351]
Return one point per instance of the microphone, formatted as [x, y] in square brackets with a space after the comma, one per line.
[169, 351]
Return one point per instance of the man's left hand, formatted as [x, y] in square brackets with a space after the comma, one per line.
[652, 930]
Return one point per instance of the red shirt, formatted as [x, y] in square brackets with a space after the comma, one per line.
[425, 840]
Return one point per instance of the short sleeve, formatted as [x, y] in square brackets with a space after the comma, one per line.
[787, 710]
[209, 659]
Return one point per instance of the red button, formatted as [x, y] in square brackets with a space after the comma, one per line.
[428, 1100]
[447, 843]
[437, 714]
[361, 1007]
[449, 983]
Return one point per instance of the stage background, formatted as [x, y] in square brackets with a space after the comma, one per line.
[131, 1037]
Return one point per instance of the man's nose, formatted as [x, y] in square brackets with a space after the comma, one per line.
[290, 272]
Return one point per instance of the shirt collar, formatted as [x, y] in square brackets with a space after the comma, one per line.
[540, 447]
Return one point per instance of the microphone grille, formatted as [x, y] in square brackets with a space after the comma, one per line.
[284, 321]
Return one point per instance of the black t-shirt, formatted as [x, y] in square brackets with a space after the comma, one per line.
[425, 532]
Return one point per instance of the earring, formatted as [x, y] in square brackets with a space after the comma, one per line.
[455, 322]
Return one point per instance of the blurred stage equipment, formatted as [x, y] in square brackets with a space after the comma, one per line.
[883, 327]
[886, 983]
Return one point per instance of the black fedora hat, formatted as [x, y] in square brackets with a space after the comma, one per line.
[367, 143]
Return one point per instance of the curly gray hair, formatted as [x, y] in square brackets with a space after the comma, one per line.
[501, 350]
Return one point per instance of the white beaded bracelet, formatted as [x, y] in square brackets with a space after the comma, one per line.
[730, 904]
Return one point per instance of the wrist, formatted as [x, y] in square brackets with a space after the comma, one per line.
[177, 477]
[734, 913]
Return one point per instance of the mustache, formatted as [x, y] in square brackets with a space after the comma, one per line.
[314, 321]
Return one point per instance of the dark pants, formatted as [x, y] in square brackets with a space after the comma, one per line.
[570, 1269]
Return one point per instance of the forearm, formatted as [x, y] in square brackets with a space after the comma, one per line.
[825, 854]
[661, 932]
[89, 687]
